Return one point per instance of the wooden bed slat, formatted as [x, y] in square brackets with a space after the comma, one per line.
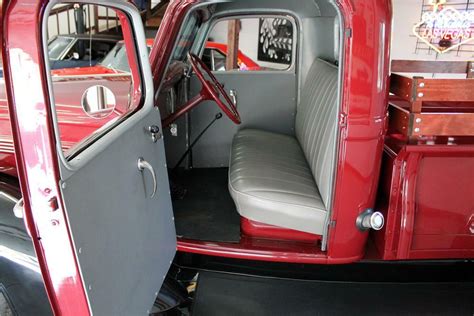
[443, 124]
[432, 66]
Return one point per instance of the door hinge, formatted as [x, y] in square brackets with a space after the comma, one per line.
[53, 204]
[343, 120]
[348, 32]
[332, 224]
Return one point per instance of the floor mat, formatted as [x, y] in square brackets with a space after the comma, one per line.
[207, 211]
[226, 294]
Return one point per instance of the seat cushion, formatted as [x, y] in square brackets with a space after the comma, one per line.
[271, 182]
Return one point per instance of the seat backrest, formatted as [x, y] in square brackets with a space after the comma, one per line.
[316, 120]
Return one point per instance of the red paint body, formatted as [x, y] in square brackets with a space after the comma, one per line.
[84, 71]
[364, 107]
[27, 89]
[259, 249]
[428, 201]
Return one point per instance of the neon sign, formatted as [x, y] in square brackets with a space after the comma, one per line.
[445, 28]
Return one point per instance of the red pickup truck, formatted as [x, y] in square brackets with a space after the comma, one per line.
[313, 164]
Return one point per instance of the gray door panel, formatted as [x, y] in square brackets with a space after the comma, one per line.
[266, 100]
[124, 239]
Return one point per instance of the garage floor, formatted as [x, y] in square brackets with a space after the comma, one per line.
[230, 294]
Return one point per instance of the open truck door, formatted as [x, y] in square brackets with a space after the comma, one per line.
[99, 211]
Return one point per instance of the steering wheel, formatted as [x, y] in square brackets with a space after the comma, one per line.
[214, 88]
[211, 90]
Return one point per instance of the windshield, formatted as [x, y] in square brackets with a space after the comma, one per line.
[186, 40]
[57, 46]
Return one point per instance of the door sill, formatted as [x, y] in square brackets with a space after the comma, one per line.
[258, 249]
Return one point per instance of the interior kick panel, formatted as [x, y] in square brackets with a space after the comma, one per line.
[265, 100]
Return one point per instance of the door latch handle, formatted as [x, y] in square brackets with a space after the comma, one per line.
[142, 165]
[233, 95]
[154, 132]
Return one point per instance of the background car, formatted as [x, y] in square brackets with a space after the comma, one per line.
[68, 51]
[215, 55]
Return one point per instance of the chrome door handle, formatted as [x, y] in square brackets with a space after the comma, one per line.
[233, 95]
[142, 165]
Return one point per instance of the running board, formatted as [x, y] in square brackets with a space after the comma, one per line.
[230, 294]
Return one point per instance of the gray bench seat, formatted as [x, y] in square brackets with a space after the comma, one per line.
[286, 181]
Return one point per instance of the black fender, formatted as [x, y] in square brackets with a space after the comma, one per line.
[22, 290]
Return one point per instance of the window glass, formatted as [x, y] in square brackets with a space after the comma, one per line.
[214, 59]
[251, 44]
[187, 37]
[93, 96]
[218, 60]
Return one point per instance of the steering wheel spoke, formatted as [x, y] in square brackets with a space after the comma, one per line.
[214, 88]
[211, 90]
